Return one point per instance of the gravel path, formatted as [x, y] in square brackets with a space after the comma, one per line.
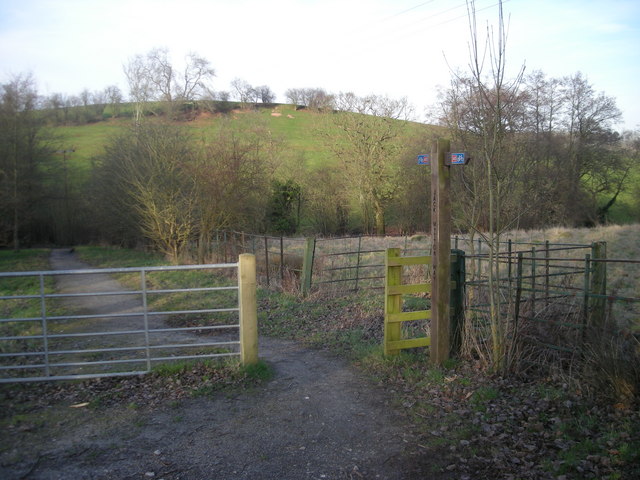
[316, 419]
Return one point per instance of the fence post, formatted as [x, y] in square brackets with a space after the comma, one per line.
[358, 262]
[281, 263]
[585, 299]
[516, 312]
[266, 258]
[307, 265]
[534, 266]
[510, 269]
[248, 309]
[598, 287]
[224, 245]
[457, 300]
[441, 258]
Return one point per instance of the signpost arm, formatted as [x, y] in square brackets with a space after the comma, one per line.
[441, 263]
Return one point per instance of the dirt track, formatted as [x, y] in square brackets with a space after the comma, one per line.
[316, 419]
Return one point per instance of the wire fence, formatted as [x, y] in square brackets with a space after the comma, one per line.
[333, 264]
[553, 296]
[549, 292]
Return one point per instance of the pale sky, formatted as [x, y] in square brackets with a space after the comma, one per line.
[399, 48]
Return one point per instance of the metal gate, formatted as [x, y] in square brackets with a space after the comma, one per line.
[102, 327]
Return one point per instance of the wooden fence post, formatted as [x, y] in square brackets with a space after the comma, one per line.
[585, 298]
[307, 265]
[441, 258]
[281, 262]
[598, 287]
[533, 281]
[248, 309]
[266, 258]
[546, 273]
[358, 262]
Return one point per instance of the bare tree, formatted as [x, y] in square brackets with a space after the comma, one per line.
[85, 97]
[160, 72]
[294, 96]
[142, 182]
[55, 102]
[482, 108]
[233, 174]
[153, 77]
[196, 77]
[317, 99]
[314, 98]
[223, 95]
[141, 88]
[114, 98]
[264, 94]
[369, 148]
[244, 92]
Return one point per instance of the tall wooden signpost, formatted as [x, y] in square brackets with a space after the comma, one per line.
[441, 256]
[441, 160]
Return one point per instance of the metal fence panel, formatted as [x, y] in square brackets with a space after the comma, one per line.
[50, 335]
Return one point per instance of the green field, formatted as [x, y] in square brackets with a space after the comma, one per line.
[296, 128]
[301, 145]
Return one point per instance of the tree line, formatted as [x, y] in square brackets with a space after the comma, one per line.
[157, 87]
[560, 162]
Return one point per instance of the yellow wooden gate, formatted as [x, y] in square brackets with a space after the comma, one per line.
[394, 315]
[393, 291]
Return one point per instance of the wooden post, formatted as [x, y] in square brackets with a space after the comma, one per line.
[307, 265]
[441, 259]
[225, 245]
[598, 287]
[281, 262]
[546, 273]
[248, 309]
[585, 299]
[509, 268]
[266, 258]
[358, 262]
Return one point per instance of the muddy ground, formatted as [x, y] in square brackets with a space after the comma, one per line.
[317, 418]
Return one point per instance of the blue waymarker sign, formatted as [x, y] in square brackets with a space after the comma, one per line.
[424, 159]
[457, 159]
[461, 158]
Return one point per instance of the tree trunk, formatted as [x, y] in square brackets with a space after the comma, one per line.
[379, 219]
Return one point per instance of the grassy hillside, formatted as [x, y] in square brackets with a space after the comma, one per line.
[298, 131]
[295, 127]
[88, 140]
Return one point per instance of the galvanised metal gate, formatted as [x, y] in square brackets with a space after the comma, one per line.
[116, 331]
